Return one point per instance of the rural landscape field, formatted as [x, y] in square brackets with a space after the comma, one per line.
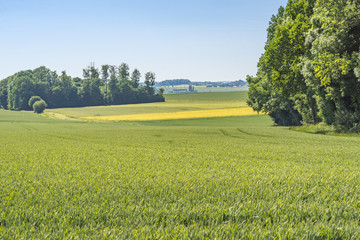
[236, 177]
[180, 119]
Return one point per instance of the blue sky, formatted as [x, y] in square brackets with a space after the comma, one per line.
[202, 40]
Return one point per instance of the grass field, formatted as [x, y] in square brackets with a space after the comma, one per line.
[224, 178]
[175, 103]
[208, 113]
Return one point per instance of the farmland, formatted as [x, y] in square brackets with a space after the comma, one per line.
[202, 89]
[230, 177]
[174, 103]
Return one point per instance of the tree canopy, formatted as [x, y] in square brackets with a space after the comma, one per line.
[110, 85]
[310, 71]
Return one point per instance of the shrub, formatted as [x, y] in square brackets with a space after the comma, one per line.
[39, 106]
[34, 99]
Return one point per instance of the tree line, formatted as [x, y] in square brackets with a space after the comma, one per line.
[109, 85]
[310, 71]
[176, 82]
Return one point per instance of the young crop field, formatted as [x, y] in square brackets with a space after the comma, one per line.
[229, 112]
[207, 178]
[177, 106]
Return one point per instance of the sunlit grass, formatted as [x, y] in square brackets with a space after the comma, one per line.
[205, 178]
[179, 115]
[174, 103]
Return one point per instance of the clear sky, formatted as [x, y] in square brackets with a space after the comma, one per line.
[202, 40]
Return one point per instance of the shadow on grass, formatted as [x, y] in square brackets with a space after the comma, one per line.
[322, 129]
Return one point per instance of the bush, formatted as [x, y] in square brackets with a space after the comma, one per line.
[34, 99]
[39, 106]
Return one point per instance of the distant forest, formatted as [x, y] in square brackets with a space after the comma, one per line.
[176, 82]
[109, 85]
[310, 71]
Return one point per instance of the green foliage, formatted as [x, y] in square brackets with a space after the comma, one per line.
[114, 90]
[312, 59]
[34, 99]
[4, 93]
[149, 79]
[105, 76]
[174, 82]
[161, 91]
[264, 93]
[335, 45]
[21, 88]
[39, 106]
[63, 91]
[124, 72]
[135, 78]
[127, 92]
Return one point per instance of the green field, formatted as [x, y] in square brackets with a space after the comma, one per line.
[174, 103]
[211, 178]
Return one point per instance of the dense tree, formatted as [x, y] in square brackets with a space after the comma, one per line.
[32, 100]
[311, 61]
[114, 87]
[114, 90]
[150, 82]
[39, 106]
[135, 78]
[105, 76]
[43, 74]
[284, 55]
[127, 93]
[264, 94]
[90, 93]
[124, 72]
[333, 65]
[4, 93]
[175, 82]
[77, 82]
[64, 92]
[21, 88]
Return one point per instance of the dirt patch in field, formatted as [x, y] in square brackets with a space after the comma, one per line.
[54, 115]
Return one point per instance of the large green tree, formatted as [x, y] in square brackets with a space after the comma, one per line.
[311, 64]
[114, 89]
[150, 82]
[135, 78]
[332, 67]
[20, 91]
[4, 93]
[264, 93]
[105, 77]
[284, 55]
[64, 92]
[124, 73]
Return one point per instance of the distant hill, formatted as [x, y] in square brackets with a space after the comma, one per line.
[176, 82]
[238, 83]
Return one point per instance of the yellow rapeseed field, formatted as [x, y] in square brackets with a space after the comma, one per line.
[228, 112]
